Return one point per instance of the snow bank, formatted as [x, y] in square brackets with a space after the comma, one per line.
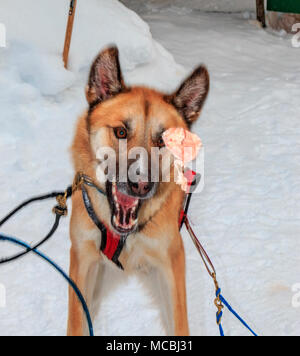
[97, 23]
[42, 70]
[35, 35]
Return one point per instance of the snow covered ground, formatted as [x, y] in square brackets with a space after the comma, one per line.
[248, 214]
[203, 5]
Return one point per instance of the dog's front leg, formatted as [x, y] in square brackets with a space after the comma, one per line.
[178, 292]
[172, 284]
[83, 271]
[85, 264]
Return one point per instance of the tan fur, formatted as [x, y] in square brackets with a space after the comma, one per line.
[156, 250]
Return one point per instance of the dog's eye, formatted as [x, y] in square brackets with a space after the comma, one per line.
[120, 132]
[160, 142]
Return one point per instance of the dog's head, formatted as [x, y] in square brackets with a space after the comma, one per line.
[127, 123]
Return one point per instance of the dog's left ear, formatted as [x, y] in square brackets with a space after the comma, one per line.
[190, 97]
[105, 79]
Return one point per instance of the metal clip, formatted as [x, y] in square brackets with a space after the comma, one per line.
[78, 181]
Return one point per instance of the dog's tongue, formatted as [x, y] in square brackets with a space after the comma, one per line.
[125, 200]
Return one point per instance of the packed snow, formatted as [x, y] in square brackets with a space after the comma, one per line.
[248, 214]
[203, 5]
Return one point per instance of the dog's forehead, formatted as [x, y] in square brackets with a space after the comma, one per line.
[162, 116]
[140, 109]
[146, 109]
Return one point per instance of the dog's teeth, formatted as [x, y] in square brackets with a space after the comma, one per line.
[133, 222]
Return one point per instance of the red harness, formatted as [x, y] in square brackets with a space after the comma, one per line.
[112, 245]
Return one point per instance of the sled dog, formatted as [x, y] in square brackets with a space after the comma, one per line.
[133, 226]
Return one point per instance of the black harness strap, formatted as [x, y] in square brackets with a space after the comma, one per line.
[91, 211]
[119, 249]
[104, 239]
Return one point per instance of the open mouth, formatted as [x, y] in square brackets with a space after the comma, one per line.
[124, 210]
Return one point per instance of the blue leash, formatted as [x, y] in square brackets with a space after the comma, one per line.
[220, 314]
[58, 269]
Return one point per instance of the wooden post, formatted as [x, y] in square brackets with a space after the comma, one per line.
[260, 11]
[69, 31]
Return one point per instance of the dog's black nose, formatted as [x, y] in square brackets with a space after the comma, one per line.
[141, 188]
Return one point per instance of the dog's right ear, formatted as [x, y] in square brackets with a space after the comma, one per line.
[105, 79]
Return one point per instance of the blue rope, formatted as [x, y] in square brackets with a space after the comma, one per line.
[221, 330]
[58, 269]
[219, 316]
